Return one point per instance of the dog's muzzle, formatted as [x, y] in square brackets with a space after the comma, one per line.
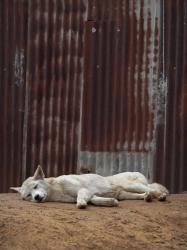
[38, 198]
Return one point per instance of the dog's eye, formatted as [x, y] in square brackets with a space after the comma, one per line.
[35, 187]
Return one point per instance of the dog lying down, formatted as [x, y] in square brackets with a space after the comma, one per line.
[90, 188]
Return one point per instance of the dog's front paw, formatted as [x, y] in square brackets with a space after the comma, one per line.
[115, 203]
[81, 204]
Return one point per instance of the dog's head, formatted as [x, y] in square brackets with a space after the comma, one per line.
[34, 188]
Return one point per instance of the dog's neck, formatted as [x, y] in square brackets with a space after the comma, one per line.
[56, 191]
[53, 185]
[51, 181]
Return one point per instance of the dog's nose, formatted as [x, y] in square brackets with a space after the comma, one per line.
[38, 197]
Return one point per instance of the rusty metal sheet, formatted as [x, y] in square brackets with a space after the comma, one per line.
[54, 84]
[13, 21]
[119, 115]
[171, 160]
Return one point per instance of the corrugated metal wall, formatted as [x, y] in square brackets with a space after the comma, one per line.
[93, 84]
[53, 85]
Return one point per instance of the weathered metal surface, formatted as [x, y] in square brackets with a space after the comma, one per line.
[54, 85]
[13, 21]
[121, 78]
[41, 84]
[171, 158]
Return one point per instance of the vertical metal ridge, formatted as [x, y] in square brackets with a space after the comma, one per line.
[122, 145]
[137, 79]
[106, 78]
[34, 93]
[78, 79]
[5, 92]
[59, 155]
[67, 62]
[114, 89]
[7, 77]
[130, 82]
[98, 90]
[26, 125]
[71, 30]
[183, 114]
[51, 128]
[47, 81]
[21, 37]
[74, 55]
[33, 68]
[172, 171]
[170, 55]
[43, 68]
[13, 115]
[11, 89]
[59, 88]
[183, 125]
[1, 90]
[168, 62]
[176, 68]
[176, 140]
[145, 65]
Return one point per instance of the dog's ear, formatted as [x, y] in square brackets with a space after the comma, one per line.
[17, 189]
[39, 174]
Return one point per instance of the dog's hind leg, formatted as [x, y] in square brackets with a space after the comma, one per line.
[137, 188]
[142, 188]
[103, 201]
[123, 195]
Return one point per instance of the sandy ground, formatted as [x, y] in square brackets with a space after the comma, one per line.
[132, 225]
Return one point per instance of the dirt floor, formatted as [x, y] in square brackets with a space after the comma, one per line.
[132, 225]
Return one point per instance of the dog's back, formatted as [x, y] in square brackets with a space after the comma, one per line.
[93, 182]
[127, 178]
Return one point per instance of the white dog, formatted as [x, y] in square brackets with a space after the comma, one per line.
[93, 188]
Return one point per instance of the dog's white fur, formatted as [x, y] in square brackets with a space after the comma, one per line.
[93, 188]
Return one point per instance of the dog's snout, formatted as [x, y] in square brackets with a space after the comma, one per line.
[38, 197]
